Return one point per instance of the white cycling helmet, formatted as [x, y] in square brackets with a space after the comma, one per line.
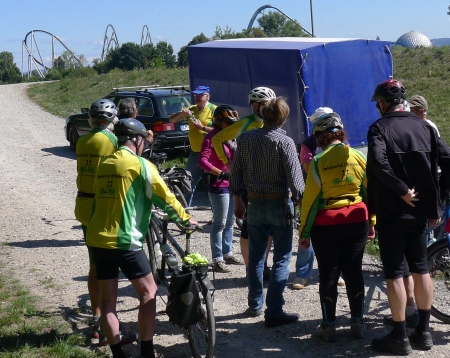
[259, 94]
[319, 113]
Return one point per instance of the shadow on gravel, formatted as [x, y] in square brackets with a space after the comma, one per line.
[46, 243]
[64, 152]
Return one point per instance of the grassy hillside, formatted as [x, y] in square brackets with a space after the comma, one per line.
[69, 95]
[423, 71]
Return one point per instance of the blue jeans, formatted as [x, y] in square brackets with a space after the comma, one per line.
[263, 218]
[304, 263]
[221, 236]
[193, 167]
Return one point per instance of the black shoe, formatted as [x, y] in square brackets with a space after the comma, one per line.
[411, 320]
[266, 273]
[389, 344]
[280, 320]
[421, 339]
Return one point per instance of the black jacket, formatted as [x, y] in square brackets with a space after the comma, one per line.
[404, 152]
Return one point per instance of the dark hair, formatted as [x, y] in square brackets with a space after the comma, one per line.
[275, 112]
[325, 138]
[127, 108]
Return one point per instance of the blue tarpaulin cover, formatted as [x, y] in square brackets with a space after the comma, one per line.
[310, 72]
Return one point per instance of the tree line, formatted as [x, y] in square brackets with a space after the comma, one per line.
[131, 56]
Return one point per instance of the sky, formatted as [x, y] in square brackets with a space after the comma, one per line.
[81, 24]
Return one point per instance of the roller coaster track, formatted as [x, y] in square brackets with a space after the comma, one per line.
[37, 62]
[262, 8]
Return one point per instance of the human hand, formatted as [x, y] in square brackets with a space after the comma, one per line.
[410, 196]
[198, 125]
[193, 222]
[186, 112]
[371, 234]
[239, 208]
[304, 243]
[228, 166]
[224, 175]
[150, 136]
[433, 222]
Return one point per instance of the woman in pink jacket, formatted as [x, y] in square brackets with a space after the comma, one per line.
[216, 176]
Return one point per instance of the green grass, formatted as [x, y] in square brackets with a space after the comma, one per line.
[26, 331]
[68, 96]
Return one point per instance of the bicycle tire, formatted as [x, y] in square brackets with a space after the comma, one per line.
[438, 258]
[150, 240]
[179, 195]
[202, 336]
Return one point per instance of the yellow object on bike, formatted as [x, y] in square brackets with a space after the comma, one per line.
[195, 259]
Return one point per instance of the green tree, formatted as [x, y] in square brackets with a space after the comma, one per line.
[9, 72]
[127, 57]
[275, 24]
[183, 53]
[165, 51]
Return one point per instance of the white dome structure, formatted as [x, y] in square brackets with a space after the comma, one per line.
[414, 39]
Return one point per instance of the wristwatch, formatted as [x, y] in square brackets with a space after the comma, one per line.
[204, 129]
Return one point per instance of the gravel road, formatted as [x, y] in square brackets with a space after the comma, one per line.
[43, 243]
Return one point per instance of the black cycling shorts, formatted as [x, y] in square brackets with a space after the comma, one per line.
[403, 245]
[134, 264]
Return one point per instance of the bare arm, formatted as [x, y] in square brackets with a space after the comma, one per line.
[179, 116]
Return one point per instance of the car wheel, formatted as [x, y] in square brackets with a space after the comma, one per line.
[73, 137]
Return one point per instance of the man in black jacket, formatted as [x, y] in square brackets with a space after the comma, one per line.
[404, 192]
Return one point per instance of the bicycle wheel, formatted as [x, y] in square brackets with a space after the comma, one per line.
[179, 195]
[202, 336]
[153, 236]
[438, 257]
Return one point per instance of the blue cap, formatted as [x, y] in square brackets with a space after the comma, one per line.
[201, 90]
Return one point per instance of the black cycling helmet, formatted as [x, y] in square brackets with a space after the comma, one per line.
[225, 113]
[389, 90]
[128, 128]
[102, 110]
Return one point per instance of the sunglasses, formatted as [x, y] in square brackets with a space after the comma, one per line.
[199, 95]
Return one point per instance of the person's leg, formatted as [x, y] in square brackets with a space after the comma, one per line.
[227, 236]
[351, 267]
[196, 172]
[328, 250]
[218, 225]
[94, 291]
[146, 290]
[243, 240]
[110, 323]
[258, 235]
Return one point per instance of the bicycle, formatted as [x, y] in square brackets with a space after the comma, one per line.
[436, 232]
[438, 258]
[159, 240]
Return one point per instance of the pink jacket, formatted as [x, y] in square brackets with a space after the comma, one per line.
[208, 158]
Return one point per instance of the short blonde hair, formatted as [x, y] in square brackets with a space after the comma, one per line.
[275, 112]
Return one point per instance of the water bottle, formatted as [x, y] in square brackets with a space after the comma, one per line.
[158, 255]
[169, 256]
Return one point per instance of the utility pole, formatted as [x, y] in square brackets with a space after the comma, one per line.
[312, 20]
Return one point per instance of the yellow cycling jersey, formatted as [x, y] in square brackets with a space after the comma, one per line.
[91, 148]
[125, 189]
[205, 116]
[336, 179]
[234, 131]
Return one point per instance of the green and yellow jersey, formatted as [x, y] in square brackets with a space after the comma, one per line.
[234, 131]
[335, 190]
[91, 148]
[126, 187]
[205, 116]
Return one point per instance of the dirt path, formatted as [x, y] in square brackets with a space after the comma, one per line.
[42, 241]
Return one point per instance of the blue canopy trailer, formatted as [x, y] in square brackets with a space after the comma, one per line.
[310, 72]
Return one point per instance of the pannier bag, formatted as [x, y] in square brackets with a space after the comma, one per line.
[183, 304]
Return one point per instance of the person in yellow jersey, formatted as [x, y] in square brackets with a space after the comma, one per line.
[200, 123]
[90, 149]
[257, 98]
[336, 221]
[126, 188]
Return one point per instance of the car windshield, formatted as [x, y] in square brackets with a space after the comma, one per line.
[173, 104]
